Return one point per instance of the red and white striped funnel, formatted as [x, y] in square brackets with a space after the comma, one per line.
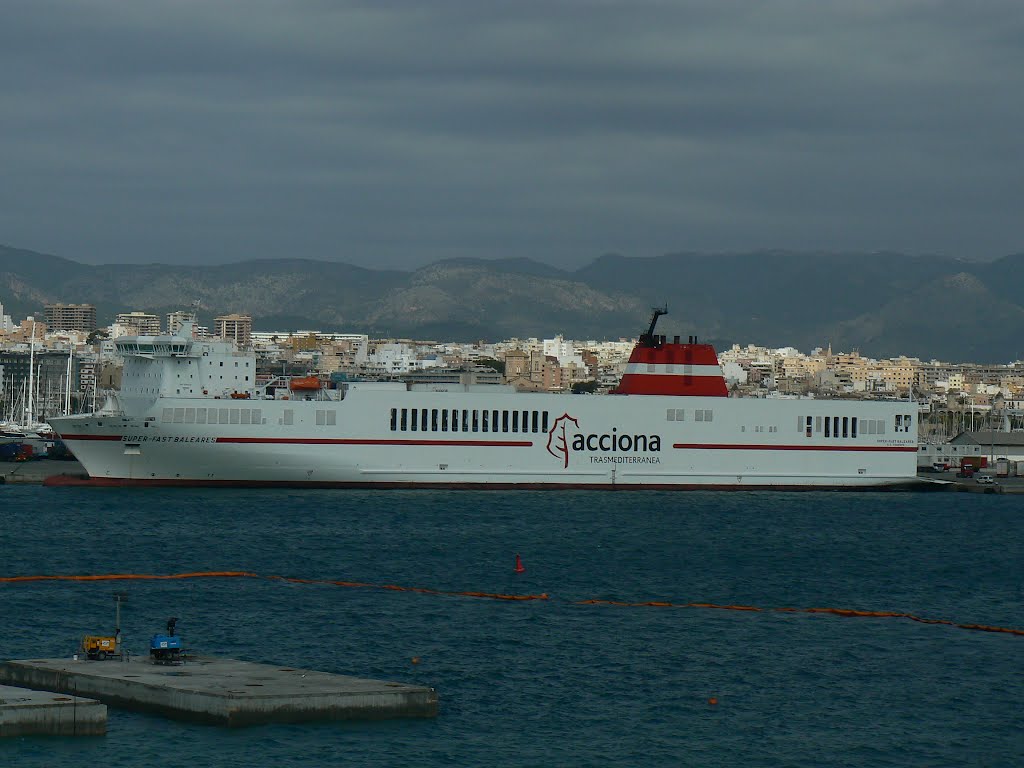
[659, 367]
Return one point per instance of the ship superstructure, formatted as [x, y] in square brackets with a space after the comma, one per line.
[189, 412]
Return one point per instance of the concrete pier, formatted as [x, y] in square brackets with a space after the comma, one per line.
[225, 691]
[42, 713]
[39, 470]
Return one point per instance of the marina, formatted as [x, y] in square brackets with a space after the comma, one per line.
[225, 692]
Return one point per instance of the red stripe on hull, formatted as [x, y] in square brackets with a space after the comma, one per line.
[672, 384]
[341, 441]
[367, 441]
[721, 447]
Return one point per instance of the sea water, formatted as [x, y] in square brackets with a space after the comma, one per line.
[549, 682]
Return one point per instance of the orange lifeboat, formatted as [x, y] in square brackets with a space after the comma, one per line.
[239, 395]
[304, 384]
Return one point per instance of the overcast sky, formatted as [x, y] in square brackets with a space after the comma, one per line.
[393, 134]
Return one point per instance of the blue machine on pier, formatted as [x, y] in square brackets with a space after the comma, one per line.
[167, 649]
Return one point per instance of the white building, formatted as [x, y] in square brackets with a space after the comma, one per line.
[734, 373]
[564, 351]
[6, 324]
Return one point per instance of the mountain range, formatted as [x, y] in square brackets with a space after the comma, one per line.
[883, 304]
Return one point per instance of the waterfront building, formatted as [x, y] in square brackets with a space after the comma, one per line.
[70, 317]
[234, 327]
[176, 319]
[6, 324]
[517, 365]
[137, 324]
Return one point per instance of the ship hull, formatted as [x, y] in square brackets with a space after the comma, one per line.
[498, 440]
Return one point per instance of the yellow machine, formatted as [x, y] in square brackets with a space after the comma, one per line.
[99, 648]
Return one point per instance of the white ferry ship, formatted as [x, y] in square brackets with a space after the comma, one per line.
[189, 413]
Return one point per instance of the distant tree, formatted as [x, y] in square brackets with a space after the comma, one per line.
[96, 335]
[584, 387]
[490, 362]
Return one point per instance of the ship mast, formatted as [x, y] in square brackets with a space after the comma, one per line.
[648, 339]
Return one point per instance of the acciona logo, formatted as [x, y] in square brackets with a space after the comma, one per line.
[565, 438]
[558, 439]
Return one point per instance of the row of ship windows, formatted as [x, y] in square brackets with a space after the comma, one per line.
[323, 418]
[847, 426]
[459, 420]
[189, 362]
[212, 416]
[699, 414]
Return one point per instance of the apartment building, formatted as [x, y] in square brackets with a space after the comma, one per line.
[70, 317]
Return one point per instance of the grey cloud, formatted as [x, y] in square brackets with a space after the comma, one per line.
[396, 134]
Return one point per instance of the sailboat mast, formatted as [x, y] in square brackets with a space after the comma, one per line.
[67, 395]
[31, 376]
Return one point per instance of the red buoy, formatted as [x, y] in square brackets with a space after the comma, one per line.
[519, 564]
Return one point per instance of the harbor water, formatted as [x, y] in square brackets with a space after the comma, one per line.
[556, 681]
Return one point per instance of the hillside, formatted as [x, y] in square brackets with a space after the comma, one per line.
[881, 303]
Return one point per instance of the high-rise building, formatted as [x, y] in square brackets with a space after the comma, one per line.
[237, 328]
[6, 324]
[70, 317]
[175, 319]
[139, 323]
